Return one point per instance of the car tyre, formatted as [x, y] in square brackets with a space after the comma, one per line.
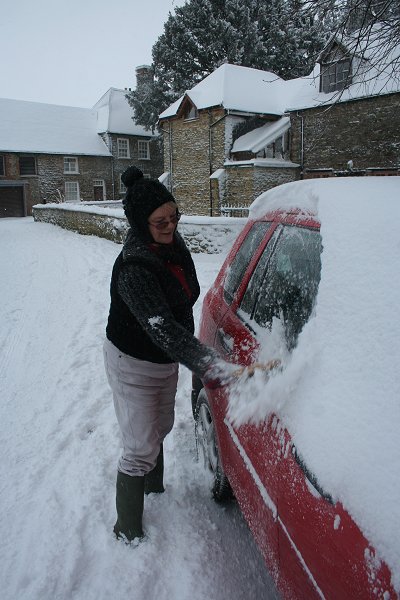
[207, 447]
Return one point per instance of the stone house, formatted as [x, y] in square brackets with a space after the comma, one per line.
[345, 117]
[51, 153]
[215, 164]
[242, 131]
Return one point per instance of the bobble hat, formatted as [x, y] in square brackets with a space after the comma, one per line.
[143, 196]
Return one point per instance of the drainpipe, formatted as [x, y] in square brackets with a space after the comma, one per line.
[169, 132]
[210, 152]
[301, 144]
[112, 177]
[109, 145]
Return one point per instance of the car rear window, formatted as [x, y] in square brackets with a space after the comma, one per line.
[243, 257]
[286, 281]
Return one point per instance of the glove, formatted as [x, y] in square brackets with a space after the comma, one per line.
[251, 369]
[219, 374]
[222, 373]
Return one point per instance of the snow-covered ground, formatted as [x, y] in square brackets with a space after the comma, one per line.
[60, 445]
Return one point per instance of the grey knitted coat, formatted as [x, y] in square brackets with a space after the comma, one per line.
[151, 316]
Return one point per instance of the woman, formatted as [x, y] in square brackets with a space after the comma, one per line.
[149, 331]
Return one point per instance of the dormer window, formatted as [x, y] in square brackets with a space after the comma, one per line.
[335, 71]
[190, 113]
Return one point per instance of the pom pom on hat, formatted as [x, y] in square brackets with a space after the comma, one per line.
[131, 175]
[142, 198]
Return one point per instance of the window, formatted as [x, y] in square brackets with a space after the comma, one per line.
[70, 164]
[2, 168]
[72, 191]
[143, 150]
[253, 289]
[191, 112]
[123, 148]
[27, 165]
[291, 281]
[336, 75]
[122, 186]
[242, 259]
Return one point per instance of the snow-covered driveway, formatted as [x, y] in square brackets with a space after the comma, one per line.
[60, 444]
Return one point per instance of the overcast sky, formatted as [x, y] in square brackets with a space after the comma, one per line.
[72, 51]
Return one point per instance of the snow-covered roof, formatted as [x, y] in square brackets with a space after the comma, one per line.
[115, 115]
[236, 88]
[375, 72]
[262, 92]
[259, 138]
[49, 128]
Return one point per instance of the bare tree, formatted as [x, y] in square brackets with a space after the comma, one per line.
[370, 32]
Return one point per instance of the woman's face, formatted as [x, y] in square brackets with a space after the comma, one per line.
[162, 223]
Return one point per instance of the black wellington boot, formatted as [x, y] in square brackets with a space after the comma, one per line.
[154, 481]
[129, 502]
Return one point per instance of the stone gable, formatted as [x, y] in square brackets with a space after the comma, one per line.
[365, 131]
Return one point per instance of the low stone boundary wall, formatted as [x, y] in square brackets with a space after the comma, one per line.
[202, 234]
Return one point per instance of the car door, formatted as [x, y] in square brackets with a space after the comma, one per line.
[280, 293]
[237, 343]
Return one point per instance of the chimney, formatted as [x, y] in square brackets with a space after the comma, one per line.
[144, 74]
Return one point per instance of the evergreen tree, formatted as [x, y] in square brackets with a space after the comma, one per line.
[274, 35]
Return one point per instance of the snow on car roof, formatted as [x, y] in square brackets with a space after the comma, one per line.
[339, 394]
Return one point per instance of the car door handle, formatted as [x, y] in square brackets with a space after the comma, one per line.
[226, 341]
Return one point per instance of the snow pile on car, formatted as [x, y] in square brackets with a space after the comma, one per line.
[339, 392]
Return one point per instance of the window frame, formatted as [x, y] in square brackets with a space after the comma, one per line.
[26, 157]
[126, 153]
[146, 144]
[331, 80]
[66, 193]
[71, 160]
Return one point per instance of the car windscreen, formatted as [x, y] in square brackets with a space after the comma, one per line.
[287, 278]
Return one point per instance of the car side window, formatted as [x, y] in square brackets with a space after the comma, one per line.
[253, 289]
[290, 285]
[243, 257]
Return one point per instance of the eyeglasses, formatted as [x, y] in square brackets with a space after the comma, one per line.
[161, 225]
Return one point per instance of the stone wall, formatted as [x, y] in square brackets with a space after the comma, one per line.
[244, 183]
[48, 185]
[365, 131]
[187, 142]
[208, 236]
[153, 167]
[52, 177]
[87, 223]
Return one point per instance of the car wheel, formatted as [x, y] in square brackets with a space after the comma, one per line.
[208, 448]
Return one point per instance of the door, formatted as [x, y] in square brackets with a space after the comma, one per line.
[12, 201]
[98, 189]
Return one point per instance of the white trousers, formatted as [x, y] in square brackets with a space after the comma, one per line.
[144, 401]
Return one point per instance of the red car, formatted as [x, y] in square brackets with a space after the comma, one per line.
[312, 546]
